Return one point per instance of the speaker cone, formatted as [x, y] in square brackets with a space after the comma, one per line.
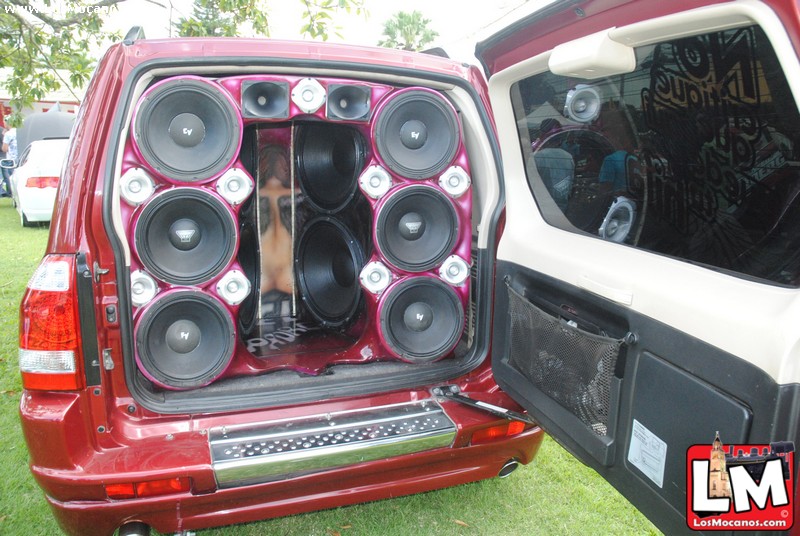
[329, 160]
[348, 102]
[184, 340]
[582, 103]
[265, 99]
[329, 260]
[417, 228]
[185, 236]
[417, 134]
[421, 319]
[187, 129]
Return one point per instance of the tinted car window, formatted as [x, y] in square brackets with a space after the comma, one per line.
[692, 155]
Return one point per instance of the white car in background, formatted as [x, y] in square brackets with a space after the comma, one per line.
[35, 179]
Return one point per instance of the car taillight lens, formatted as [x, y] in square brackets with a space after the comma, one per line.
[49, 337]
[42, 182]
[501, 431]
[151, 488]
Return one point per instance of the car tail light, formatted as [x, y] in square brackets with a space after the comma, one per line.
[42, 182]
[49, 336]
[151, 488]
[509, 429]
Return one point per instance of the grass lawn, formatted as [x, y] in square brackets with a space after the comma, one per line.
[553, 495]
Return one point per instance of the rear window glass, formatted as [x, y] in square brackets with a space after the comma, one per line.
[693, 155]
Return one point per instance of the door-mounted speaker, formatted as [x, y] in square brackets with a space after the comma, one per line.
[329, 159]
[348, 102]
[185, 339]
[582, 104]
[265, 99]
[187, 128]
[417, 133]
[185, 236]
[329, 260]
[417, 228]
[421, 319]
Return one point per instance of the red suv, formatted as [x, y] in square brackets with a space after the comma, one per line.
[291, 276]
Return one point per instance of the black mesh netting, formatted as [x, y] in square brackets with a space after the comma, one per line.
[566, 363]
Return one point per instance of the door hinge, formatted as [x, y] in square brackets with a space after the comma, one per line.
[452, 392]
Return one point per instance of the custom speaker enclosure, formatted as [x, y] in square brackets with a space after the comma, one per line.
[185, 339]
[187, 129]
[329, 158]
[421, 319]
[265, 99]
[417, 227]
[348, 102]
[417, 133]
[185, 236]
[328, 261]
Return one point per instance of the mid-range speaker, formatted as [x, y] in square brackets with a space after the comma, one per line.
[329, 159]
[417, 228]
[417, 133]
[329, 260]
[348, 102]
[619, 220]
[187, 129]
[265, 99]
[582, 103]
[421, 319]
[185, 236]
[185, 339]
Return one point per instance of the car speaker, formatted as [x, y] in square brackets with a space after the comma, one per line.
[187, 128]
[329, 159]
[348, 102]
[417, 133]
[421, 319]
[265, 99]
[185, 236]
[619, 220]
[185, 339]
[329, 260]
[417, 228]
[582, 103]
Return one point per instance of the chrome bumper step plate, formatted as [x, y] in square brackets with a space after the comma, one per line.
[277, 450]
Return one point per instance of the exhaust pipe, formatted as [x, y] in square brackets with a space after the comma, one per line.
[509, 467]
[134, 529]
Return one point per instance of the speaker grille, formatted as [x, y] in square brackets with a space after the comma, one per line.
[417, 133]
[185, 236]
[421, 319]
[417, 228]
[187, 129]
[185, 339]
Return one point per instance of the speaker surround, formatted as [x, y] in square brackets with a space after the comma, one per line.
[185, 236]
[417, 228]
[421, 319]
[417, 133]
[265, 99]
[329, 260]
[185, 339]
[187, 129]
[329, 159]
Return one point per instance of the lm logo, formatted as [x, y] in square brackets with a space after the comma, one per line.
[744, 487]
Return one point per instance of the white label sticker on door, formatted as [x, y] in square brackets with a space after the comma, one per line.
[648, 453]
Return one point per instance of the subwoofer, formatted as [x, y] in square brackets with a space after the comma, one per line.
[417, 133]
[187, 129]
[348, 102]
[265, 99]
[421, 319]
[185, 339]
[329, 159]
[185, 236]
[417, 228]
[329, 260]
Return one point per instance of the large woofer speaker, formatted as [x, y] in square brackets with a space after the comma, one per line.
[417, 133]
[329, 259]
[187, 129]
[417, 228]
[185, 339]
[185, 236]
[329, 160]
[421, 319]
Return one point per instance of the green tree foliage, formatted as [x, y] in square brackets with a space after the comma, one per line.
[47, 47]
[407, 31]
